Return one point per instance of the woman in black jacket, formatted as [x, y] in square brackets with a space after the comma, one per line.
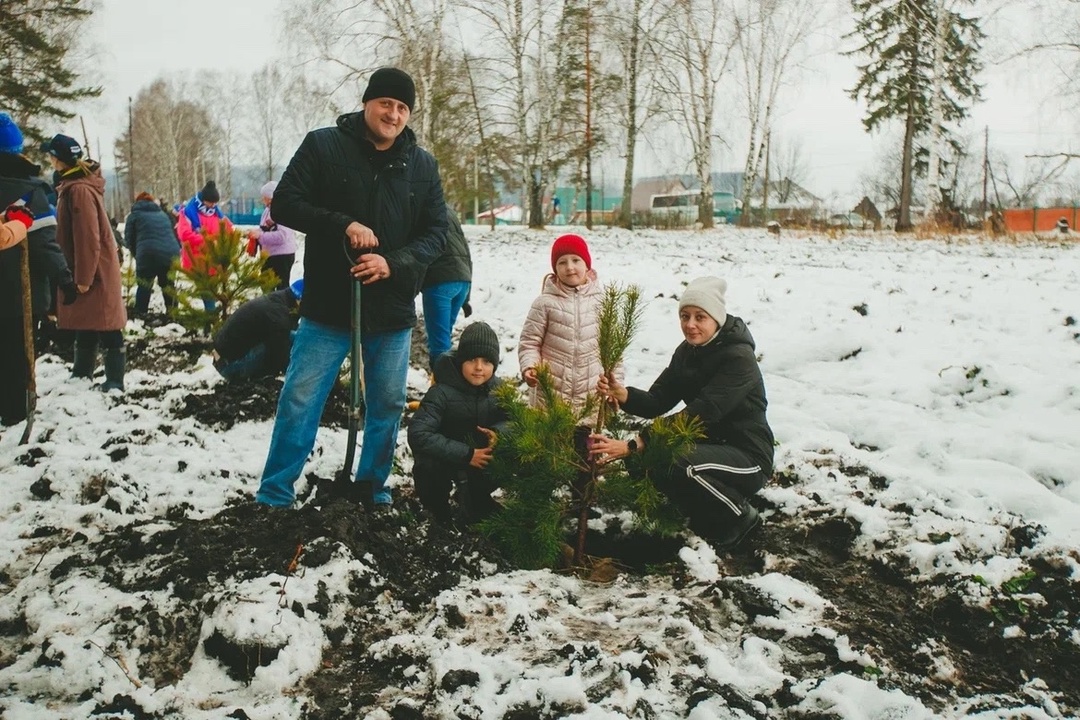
[714, 371]
[149, 235]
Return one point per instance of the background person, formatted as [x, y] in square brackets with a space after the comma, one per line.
[256, 340]
[446, 288]
[84, 234]
[150, 237]
[277, 241]
[21, 179]
[200, 215]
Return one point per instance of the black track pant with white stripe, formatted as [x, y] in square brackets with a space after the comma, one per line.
[710, 485]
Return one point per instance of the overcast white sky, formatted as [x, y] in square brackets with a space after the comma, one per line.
[144, 40]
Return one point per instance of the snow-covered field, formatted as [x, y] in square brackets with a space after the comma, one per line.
[925, 392]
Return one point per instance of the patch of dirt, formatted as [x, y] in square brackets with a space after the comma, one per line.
[939, 645]
[412, 560]
[928, 636]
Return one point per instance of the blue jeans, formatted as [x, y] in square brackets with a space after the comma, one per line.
[317, 354]
[442, 303]
[248, 366]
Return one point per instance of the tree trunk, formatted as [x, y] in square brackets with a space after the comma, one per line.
[933, 185]
[903, 217]
[632, 75]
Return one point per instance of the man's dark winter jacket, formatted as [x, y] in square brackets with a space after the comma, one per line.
[443, 430]
[268, 319]
[337, 177]
[48, 269]
[721, 384]
[455, 264]
[149, 234]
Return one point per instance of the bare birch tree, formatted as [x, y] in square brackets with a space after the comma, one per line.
[266, 117]
[629, 32]
[368, 34]
[171, 137]
[518, 32]
[700, 50]
[770, 38]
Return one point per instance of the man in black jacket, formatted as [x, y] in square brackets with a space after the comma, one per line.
[371, 204]
[256, 339]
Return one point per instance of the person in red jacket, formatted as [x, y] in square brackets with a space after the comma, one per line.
[200, 217]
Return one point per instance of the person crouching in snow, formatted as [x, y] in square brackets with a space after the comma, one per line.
[200, 215]
[256, 340]
[715, 372]
[453, 433]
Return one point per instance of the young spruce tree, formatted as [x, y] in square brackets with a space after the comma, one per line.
[224, 272]
[549, 483]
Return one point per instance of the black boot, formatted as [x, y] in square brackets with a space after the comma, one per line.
[85, 358]
[115, 364]
[739, 527]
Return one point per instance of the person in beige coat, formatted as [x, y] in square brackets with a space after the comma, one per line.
[563, 325]
[13, 229]
[84, 234]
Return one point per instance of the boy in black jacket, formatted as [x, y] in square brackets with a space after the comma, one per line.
[453, 432]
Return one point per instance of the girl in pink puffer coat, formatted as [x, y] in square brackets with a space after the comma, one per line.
[563, 325]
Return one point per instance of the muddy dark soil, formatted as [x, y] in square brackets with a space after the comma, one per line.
[911, 626]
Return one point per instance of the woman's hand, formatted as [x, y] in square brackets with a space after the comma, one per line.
[605, 449]
[529, 376]
[610, 388]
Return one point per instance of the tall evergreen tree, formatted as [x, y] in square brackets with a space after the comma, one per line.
[37, 82]
[900, 78]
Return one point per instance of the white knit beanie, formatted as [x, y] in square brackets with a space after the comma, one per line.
[707, 293]
[268, 189]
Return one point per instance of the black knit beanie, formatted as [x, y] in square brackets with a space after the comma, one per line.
[390, 82]
[209, 193]
[478, 340]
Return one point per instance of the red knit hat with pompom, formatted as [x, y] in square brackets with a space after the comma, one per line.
[570, 245]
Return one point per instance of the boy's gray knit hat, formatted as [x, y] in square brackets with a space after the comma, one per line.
[479, 340]
[707, 293]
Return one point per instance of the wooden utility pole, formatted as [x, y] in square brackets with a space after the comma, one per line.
[986, 167]
[131, 155]
[765, 189]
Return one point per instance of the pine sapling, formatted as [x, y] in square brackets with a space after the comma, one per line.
[619, 319]
[223, 272]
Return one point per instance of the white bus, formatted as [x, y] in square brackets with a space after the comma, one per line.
[681, 204]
